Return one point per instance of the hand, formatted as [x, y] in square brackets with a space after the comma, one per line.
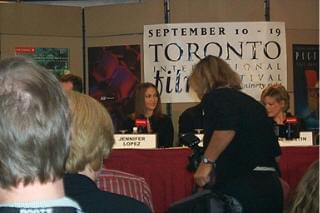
[202, 175]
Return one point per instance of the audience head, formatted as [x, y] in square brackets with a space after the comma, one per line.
[306, 197]
[34, 124]
[71, 82]
[210, 73]
[92, 133]
[275, 98]
[147, 100]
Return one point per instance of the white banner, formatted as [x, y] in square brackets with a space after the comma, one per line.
[255, 50]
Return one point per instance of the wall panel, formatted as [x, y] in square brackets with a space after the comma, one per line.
[122, 19]
[216, 11]
[23, 19]
[297, 14]
[42, 26]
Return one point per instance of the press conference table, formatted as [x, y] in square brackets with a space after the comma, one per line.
[165, 169]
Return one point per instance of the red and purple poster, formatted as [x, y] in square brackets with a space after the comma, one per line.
[114, 71]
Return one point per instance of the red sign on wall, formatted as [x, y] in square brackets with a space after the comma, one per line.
[26, 50]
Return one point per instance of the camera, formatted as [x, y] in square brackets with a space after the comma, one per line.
[192, 141]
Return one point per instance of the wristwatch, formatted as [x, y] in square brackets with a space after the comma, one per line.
[205, 160]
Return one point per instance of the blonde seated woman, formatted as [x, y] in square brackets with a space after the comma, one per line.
[92, 140]
[276, 100]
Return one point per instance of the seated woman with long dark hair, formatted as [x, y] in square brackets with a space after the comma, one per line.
[148, 107]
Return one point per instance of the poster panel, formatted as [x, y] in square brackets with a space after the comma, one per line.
[114, 71]
[255, 50]
[54, 59]
[306, 84]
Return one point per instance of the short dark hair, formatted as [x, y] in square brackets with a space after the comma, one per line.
[75, 80]
[34, 124]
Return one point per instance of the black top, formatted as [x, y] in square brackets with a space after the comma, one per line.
[288, 130]
[254, 143]
[191, 119]
[161, 125]
[84, 191]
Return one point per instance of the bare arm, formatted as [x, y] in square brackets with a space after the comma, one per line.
[220, 139]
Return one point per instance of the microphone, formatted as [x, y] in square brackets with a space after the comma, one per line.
[291, 120]
[292, 130]
[141, 124]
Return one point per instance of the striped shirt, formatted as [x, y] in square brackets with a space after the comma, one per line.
[125, 184]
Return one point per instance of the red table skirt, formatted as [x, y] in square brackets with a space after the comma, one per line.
[294, 161]
[165, 169]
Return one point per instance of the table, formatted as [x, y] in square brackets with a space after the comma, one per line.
[294, 161]
[165, 169]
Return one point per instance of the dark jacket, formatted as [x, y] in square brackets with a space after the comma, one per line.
[161, 125]
[84, 191]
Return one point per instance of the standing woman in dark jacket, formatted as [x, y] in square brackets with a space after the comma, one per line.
[240, 145]
[148, 106]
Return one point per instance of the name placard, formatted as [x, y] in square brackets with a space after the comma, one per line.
[135, 141]
[305, 139]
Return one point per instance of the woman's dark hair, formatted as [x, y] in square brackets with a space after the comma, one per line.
[140, 92]
[75, 80]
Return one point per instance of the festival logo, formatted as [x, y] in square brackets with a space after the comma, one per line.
[255, 50]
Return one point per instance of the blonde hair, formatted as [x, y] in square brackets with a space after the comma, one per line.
[212, 72]
[306, 196]
[92, 133]
[279, 93]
